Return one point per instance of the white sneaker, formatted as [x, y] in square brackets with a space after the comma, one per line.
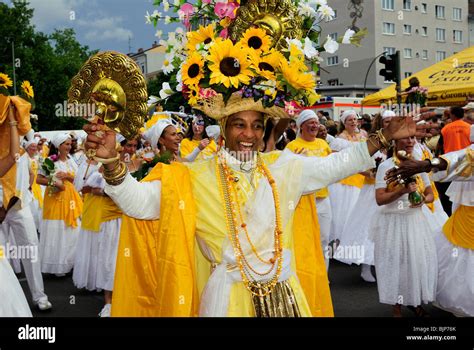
[366, 274]
[44, 305]
[105, 312]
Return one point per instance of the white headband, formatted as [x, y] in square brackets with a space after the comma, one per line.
[347, 114]
[304, 116]
[60, 138]
[154, 133]
[388, 114]
[27, 143]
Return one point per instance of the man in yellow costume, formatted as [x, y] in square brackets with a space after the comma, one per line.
[231, 214]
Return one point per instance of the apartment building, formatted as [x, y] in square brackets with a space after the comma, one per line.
[424, 31]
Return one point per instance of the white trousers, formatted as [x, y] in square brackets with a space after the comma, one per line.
[22, 224]
[323, 207]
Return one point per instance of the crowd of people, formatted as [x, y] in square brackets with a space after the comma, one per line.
[75, 213]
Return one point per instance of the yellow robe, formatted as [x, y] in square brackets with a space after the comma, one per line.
[161, 272]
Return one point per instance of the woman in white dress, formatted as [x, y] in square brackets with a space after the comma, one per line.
[61, 211]
[13, 302]
[344, 194]
[355, 237]
[405, 251]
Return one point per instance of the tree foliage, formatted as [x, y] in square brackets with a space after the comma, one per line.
[47, 61]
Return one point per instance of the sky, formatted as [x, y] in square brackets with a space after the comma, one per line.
[100, 24]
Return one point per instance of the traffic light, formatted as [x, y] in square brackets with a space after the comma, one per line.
[391, 72]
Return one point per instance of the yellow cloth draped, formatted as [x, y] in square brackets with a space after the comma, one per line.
[309, 255]
[317, 148]
[35, 188]
[356, 180]
[63, 205]
[427, 155]
[97, 210]
[8, 182]
[187, 146]
[45, 151]
[155, 272]
[459, 227]
[22, 117]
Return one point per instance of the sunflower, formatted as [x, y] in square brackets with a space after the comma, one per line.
[28, 89]
[193, 69]
[267, 64]
[257, 39]
[204, 35]
[297, 79]
[229, 64]
[5, 81]
[297, 58]
[193, 94]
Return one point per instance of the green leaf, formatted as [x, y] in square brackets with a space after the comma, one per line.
[157, 2]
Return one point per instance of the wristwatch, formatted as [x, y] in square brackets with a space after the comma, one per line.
[435, 163]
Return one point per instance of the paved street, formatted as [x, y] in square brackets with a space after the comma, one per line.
[352, 297]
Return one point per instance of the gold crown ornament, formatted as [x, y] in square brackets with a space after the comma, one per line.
[113, 83]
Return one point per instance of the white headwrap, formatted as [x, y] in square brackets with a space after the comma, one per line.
[154, 133]
[347, 114]
[388, 114]
[213, 131]
[304, 116]
[60, 138]
[27, 143]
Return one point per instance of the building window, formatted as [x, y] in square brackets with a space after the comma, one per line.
[440, 34]
[143, 69]
[388, 5]
[457, 14]
[333, 82]
[388, 28]
[424, 7]
[407, 5]
[424, 31]
[389, 50]
[408, 74]
[424, 55]
[457, 36]
[333, 61]
[407, 29]
[333, 36]
[440, 55]
[439, 12]
[407, 53]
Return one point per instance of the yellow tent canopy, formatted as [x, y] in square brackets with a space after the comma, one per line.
[449, 82]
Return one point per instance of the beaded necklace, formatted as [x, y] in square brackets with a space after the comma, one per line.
[227, 179]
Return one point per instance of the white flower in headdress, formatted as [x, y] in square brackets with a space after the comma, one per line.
[347, 36]
[296, 42]
[168, 64]
[166, 5]
[309, 50]
[331, 45]
[320, 2]
[166, 91]
[147, 18]
[326, 12]
[167, 19]
[179, 79]
[159, 33]
[306, 10]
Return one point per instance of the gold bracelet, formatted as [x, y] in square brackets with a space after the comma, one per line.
[13, 123]
[117, 175]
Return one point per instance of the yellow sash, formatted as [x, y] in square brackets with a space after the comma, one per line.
[309, 256]
[63, 205]
[155, 274]
[35, 188]
[369, 180]
[459, 229]
[356, 180]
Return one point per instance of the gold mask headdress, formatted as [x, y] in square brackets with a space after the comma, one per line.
[115, 85]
